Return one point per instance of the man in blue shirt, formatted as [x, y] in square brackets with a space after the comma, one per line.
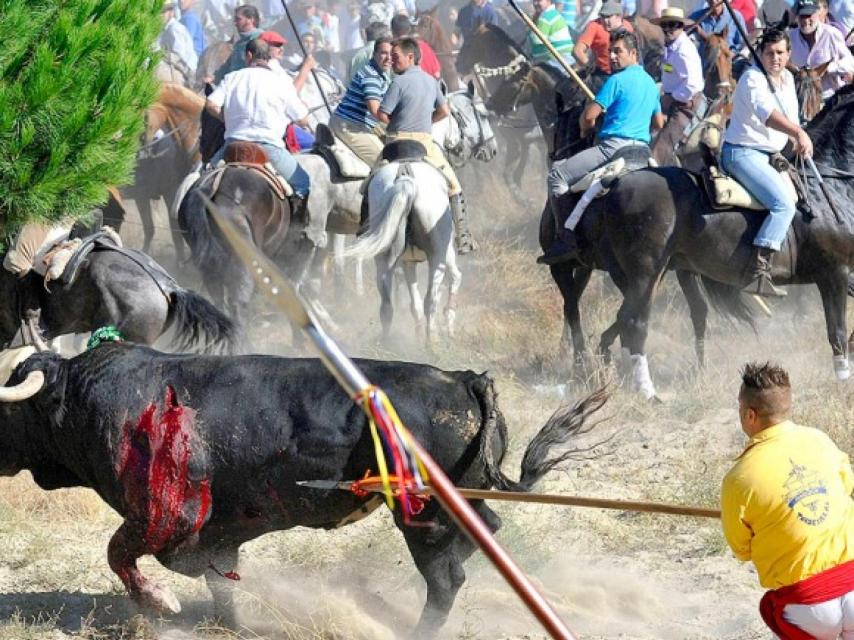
[474, 14]
[190, 20]
[355, 121]
[714, 20]
[630, 104]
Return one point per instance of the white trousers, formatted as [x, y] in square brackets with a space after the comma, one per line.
[828, 620]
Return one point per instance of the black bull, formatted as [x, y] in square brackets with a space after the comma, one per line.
[200, 454]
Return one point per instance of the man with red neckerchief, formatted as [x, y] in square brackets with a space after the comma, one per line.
[786, 505]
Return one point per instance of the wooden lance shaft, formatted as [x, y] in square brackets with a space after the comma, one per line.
[305, 55]
[275, 286]
[548, 45]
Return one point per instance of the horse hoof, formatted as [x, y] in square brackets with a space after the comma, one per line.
[656, 401]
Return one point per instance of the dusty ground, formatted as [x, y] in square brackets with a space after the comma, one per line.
[610, 574]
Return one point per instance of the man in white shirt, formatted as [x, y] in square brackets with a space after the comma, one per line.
[176, 39]
[256, 107]
[814, 44]
[681, 84]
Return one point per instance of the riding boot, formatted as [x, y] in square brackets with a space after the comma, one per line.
[462, 238]
[759, 274]
[563, 249]
[299, 207]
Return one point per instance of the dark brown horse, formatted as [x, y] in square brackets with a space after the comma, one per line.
[430, 30]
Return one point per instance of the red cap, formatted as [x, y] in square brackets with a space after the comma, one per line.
[273, 38]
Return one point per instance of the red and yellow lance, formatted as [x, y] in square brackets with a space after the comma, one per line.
[413, 464]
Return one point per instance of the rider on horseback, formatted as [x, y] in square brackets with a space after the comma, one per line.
[412, 103]
[815, 44]
[257, 108]
[629, 101]
[681, 83]
[762, 122]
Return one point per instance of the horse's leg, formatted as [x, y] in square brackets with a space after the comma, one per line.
[833, 287]
[385, 276]
[415, 303]
[455, 279]
[143, 205]
[699, 310]
[338, 269]
[633, 317]
[431, 299]
[571, 283]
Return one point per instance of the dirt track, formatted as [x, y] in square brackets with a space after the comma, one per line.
[611, 574]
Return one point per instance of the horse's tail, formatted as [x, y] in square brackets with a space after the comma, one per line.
[728, 300]
[208, 252]
[390, 217]
[198, 321]
[564, 424]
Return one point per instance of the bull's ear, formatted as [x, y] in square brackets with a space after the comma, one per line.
[471, 88]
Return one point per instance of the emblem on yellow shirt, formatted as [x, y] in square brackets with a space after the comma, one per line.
[806, 495]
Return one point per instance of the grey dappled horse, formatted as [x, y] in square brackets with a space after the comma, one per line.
[134, 294]
[653, 219]
[408, 204]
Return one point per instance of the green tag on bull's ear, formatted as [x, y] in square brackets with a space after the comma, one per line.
[104, 334]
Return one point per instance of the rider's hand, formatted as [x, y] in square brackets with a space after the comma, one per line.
[803, 144]
[309, 62]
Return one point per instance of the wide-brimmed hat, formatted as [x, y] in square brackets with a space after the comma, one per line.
[673, 14]
[273, 38]
[806, 7]
[611, 8]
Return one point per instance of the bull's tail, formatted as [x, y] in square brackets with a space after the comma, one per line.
[565, 423]
[197, 321]
[728, 300]
[390, 220]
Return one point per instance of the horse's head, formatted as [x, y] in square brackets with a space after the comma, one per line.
[516, 89]
[469, 132]
[717, 65]
[808, 85]
[487, 47]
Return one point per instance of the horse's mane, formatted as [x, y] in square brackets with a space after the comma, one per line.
[827, 130]
[174, 96]
[502, 35]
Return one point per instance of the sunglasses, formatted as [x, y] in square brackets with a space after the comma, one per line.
[670, 26]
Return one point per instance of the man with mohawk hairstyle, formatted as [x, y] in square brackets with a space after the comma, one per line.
[786, 505]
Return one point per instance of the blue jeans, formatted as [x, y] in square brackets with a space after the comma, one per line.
[753, 170]
[284, 163]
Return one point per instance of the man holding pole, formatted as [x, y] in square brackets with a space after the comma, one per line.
[786, 505]
[630, 104]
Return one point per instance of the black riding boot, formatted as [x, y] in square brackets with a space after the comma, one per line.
[462, 238]
[759, 275]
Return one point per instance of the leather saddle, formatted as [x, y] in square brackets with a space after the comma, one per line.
[344, 164]
[404, 151]
[624, 160]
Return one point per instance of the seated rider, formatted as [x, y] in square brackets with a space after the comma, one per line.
[257, 108]
[355, 121]
[762, 122]
[681, 84]
[413, 102]
[629, 100]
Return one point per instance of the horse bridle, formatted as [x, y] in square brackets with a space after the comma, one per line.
[461, 120]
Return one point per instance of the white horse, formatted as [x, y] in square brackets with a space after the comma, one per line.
[409, 208]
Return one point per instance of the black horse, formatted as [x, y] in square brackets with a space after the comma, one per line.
[125, 289]
[653, 219]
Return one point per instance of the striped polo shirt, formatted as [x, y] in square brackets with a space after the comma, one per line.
[369, 83]
[554, 27]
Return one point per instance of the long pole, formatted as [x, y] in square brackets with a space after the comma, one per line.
[305, 56]
[548, 45]
[268, 277]
[758, 61]
[537, 498]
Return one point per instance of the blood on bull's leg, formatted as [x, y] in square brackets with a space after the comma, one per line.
[161, 469]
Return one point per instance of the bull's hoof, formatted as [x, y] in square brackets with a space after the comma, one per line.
[159, 600]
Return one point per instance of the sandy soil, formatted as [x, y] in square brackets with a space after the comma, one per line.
[610, 574]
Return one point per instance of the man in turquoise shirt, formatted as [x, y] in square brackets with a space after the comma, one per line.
[630, 104]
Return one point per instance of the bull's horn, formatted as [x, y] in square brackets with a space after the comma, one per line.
[26, 389]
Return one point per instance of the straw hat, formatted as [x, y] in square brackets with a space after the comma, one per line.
[673, 14]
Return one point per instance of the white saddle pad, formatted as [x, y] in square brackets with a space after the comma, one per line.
[613, 168]
[350, 165]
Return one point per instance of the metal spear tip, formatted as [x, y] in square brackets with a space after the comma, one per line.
[318, 484]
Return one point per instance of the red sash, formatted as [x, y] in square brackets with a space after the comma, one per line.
[824, 586]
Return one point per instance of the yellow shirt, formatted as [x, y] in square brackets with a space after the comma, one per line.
[786, 504]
